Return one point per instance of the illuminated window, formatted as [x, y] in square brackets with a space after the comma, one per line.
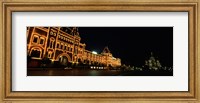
[51, 44]
[58, 45]
[76, 50]
[49, 54]
[42, 41]
[35, 39]
[61, 46]
[72, 48]
[65, 47]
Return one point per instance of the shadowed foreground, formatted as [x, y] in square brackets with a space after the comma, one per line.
[89, 72]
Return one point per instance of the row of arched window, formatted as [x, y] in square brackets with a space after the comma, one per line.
[38, 39]
[64, 46]
[93, 57]
[65, 39]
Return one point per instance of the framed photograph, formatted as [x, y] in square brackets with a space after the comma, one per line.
[108, 51]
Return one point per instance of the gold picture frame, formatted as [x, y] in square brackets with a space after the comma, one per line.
[9, 6]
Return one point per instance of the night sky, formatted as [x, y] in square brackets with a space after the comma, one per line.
[132, 44]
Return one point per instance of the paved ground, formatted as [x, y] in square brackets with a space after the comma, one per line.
[73, 72]
[88, 72]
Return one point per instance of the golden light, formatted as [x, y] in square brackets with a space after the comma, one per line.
[94, 52]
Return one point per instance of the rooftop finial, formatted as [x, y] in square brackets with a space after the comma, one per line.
[151, 53]
[106, 50]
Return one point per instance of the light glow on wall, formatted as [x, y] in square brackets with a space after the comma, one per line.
[94, 52]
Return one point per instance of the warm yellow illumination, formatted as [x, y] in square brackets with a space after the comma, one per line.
[56, 43]
[94, 52]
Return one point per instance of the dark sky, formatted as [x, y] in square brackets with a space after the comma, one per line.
[132, 44]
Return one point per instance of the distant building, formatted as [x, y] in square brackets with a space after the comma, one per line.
[63, 44]
[152, 63]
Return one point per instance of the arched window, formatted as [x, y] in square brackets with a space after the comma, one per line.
[52, 40]
[42, 40]
[49, 54]
[65, 47]
[35, 39]
[61, 46]
[58, 45]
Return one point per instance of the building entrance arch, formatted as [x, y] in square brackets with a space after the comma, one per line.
[36, 52]
[63, 58]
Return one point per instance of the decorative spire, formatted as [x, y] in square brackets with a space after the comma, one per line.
[106, 50]
[151, 53]
[74, 31]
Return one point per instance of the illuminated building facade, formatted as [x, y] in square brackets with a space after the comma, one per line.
[63, 44]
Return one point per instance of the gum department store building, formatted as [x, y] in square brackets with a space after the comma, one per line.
[63, 44]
